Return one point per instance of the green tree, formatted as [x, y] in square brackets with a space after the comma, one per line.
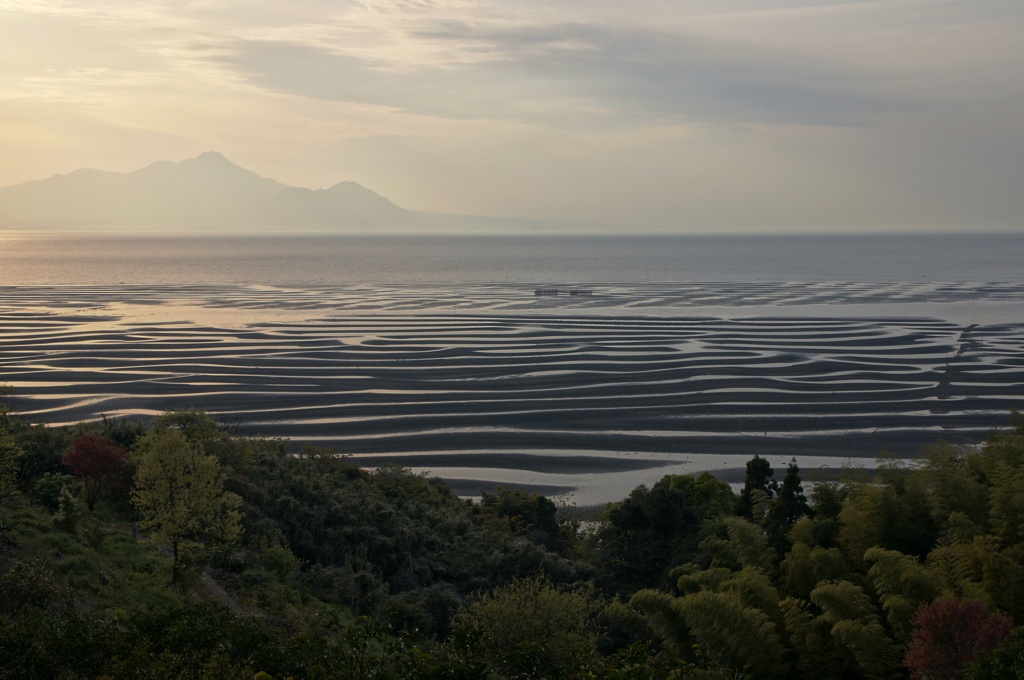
[956, 483]
[896, 517]
[1007, 505]
[759, 478]
[203, 431]
[42, 448]
[709, 496]
[530, 514]
[732, 635]
[805, 567]
[736, 543]
[180, 495]
[1005, 661]
[67, 515]
[10, 453]
[827, 499]
[789, 506]
[1002, 573]
[903, 585]
[1005, 447]
[818, 654]
[655, 529]
[856, 626]
[194, 424]
[531, 629]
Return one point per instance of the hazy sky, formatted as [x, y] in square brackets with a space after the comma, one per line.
[684, 115]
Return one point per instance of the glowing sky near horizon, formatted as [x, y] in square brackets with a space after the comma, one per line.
[680, 115]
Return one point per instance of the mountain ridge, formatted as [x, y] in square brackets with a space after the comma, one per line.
[210, 192]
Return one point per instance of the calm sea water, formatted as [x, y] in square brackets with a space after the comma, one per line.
[33, 259]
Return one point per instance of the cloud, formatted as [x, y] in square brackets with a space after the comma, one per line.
[531, 71]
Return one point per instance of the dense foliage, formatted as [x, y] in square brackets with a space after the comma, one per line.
[227, 556]
[99, 463]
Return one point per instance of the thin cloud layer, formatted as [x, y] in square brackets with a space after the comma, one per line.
[531, 72]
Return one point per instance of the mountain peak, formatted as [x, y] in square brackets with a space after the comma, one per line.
[210, 158]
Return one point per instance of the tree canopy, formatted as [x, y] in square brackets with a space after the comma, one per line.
[331, 570]
[98, 463]
[180, 496]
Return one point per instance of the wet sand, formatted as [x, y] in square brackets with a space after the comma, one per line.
[489, 384]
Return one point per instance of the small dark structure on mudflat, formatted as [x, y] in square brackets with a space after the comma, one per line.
[556, 291]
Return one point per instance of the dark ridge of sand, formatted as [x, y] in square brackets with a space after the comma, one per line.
[549, 463]
[906, 443]
[478, 487]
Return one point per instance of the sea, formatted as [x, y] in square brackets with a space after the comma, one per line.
[578, 367]
[104, 259]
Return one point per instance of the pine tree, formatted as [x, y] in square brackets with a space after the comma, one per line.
[759, 478]
[790, 505]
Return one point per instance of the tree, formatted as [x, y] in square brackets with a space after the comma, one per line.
[203, 432]
[827, 499]
[956, 483]
[902, 584]
[790, 506]
[709, 496]
[1005, 661]
[818, 654]
[645, 534]
[886, 517]
[735, 543]
[805, 567]
[193, 423]
[124, 433]
[10, 453]
[98, 463]
[42, 449]
[531, 629]
[1007, 505]
[529, 512]
[857, 627]
[180, 494]
[653, 530]
[66, 517]
[732, 634]
[950, 634]
[759, 477]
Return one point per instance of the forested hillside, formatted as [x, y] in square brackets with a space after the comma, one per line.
[176, 548]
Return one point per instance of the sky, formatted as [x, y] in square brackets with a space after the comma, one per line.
[672, 115]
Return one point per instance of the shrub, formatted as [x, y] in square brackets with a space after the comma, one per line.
[949, 634]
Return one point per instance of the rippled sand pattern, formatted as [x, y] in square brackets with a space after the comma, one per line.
[460, 378]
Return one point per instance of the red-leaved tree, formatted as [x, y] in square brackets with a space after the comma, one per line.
[949, 634]
[100, 464]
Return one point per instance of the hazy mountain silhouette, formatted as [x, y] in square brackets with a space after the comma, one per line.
[210, 192]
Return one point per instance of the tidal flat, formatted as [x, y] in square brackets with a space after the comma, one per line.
[579, 397]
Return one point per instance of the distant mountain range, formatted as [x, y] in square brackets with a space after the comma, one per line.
[210, 193]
